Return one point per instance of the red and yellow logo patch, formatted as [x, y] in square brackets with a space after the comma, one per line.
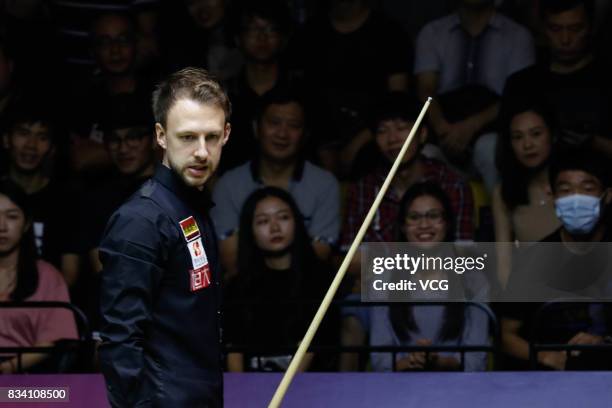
[190, 228]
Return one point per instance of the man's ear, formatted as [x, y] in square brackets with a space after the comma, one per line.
[227, 131]
[607, 196]
[160, 135]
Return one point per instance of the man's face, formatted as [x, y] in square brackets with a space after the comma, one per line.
[280, 131]
[131, 150]
[391, 135]
[206, 13]
[28, 144]
[568, 34]
[12, 225]
[114, 44]
[570, 182]
[192, 140]
[260, 40]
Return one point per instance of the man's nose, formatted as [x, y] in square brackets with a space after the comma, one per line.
[201, 152]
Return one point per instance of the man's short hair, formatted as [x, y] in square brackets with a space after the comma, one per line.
[279, 96]
[548, 7]
[191, 83]
[123, 14]
[582, 160]
[393, 106]
[275, 12]
[126, 111]
[32, 110]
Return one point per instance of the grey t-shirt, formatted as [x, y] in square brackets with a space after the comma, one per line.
[316, 193]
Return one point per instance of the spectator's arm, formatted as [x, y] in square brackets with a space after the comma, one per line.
[427, 86]
[130, 252]
[235, 362]
[325, 225]
[503, 236]
[28, 360]
[225, 217]
[518, 347]
[70, 268]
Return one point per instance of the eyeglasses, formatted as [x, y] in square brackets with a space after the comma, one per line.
[132, 139]
[433, 216]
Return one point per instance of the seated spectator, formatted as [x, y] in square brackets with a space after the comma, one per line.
[73, 21]
[581, 190]
[31, 143]
[279, 162]
[24, 278]
[463, 61]
[391, 124]
[8, 86]
[523, 207]
[426, 220]
[263, 31]
[198, 33]
[570, 80]
[350, 56]
[278, 269]
[130, 141]
[113, 39]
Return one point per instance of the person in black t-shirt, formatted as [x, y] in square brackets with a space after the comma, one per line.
[350, 57]
[30, 141]
[582, 195]
[279, 285]
[569, 79]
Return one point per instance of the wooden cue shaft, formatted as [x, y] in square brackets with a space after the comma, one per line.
[314, 325]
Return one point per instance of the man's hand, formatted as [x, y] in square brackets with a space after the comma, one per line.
[553, 359]
[416, 360]
[584, 338]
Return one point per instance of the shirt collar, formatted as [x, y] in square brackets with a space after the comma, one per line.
[298, 172]
[191, 195]
[494, 22]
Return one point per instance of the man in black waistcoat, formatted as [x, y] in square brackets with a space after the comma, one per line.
[160, 301]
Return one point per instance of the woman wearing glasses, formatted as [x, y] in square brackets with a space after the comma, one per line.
[425, 220]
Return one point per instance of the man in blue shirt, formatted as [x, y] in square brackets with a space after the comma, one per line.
[160, 296]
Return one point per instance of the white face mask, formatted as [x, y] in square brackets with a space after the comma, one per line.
[578, 212]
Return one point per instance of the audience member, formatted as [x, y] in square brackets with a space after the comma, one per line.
[425, 219]
[73, 21]
[198, 33]
[263, 30]
[24, 278]
[581, 190]
[30, 141]
[570, 79]
[391, 124]
[463, 60]
[279, 285]
[279, 162]
[523, 207]
[114, 46]
[350, 57]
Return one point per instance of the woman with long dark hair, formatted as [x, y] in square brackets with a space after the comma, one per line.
[277, 269]
[425, 221]
[523, 206]
[25, 278]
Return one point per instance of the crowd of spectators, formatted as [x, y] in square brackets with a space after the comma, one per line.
[324, 93]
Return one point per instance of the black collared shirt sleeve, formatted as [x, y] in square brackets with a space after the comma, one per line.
[132, 254]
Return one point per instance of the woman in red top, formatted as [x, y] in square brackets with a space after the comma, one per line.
[24, 278]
